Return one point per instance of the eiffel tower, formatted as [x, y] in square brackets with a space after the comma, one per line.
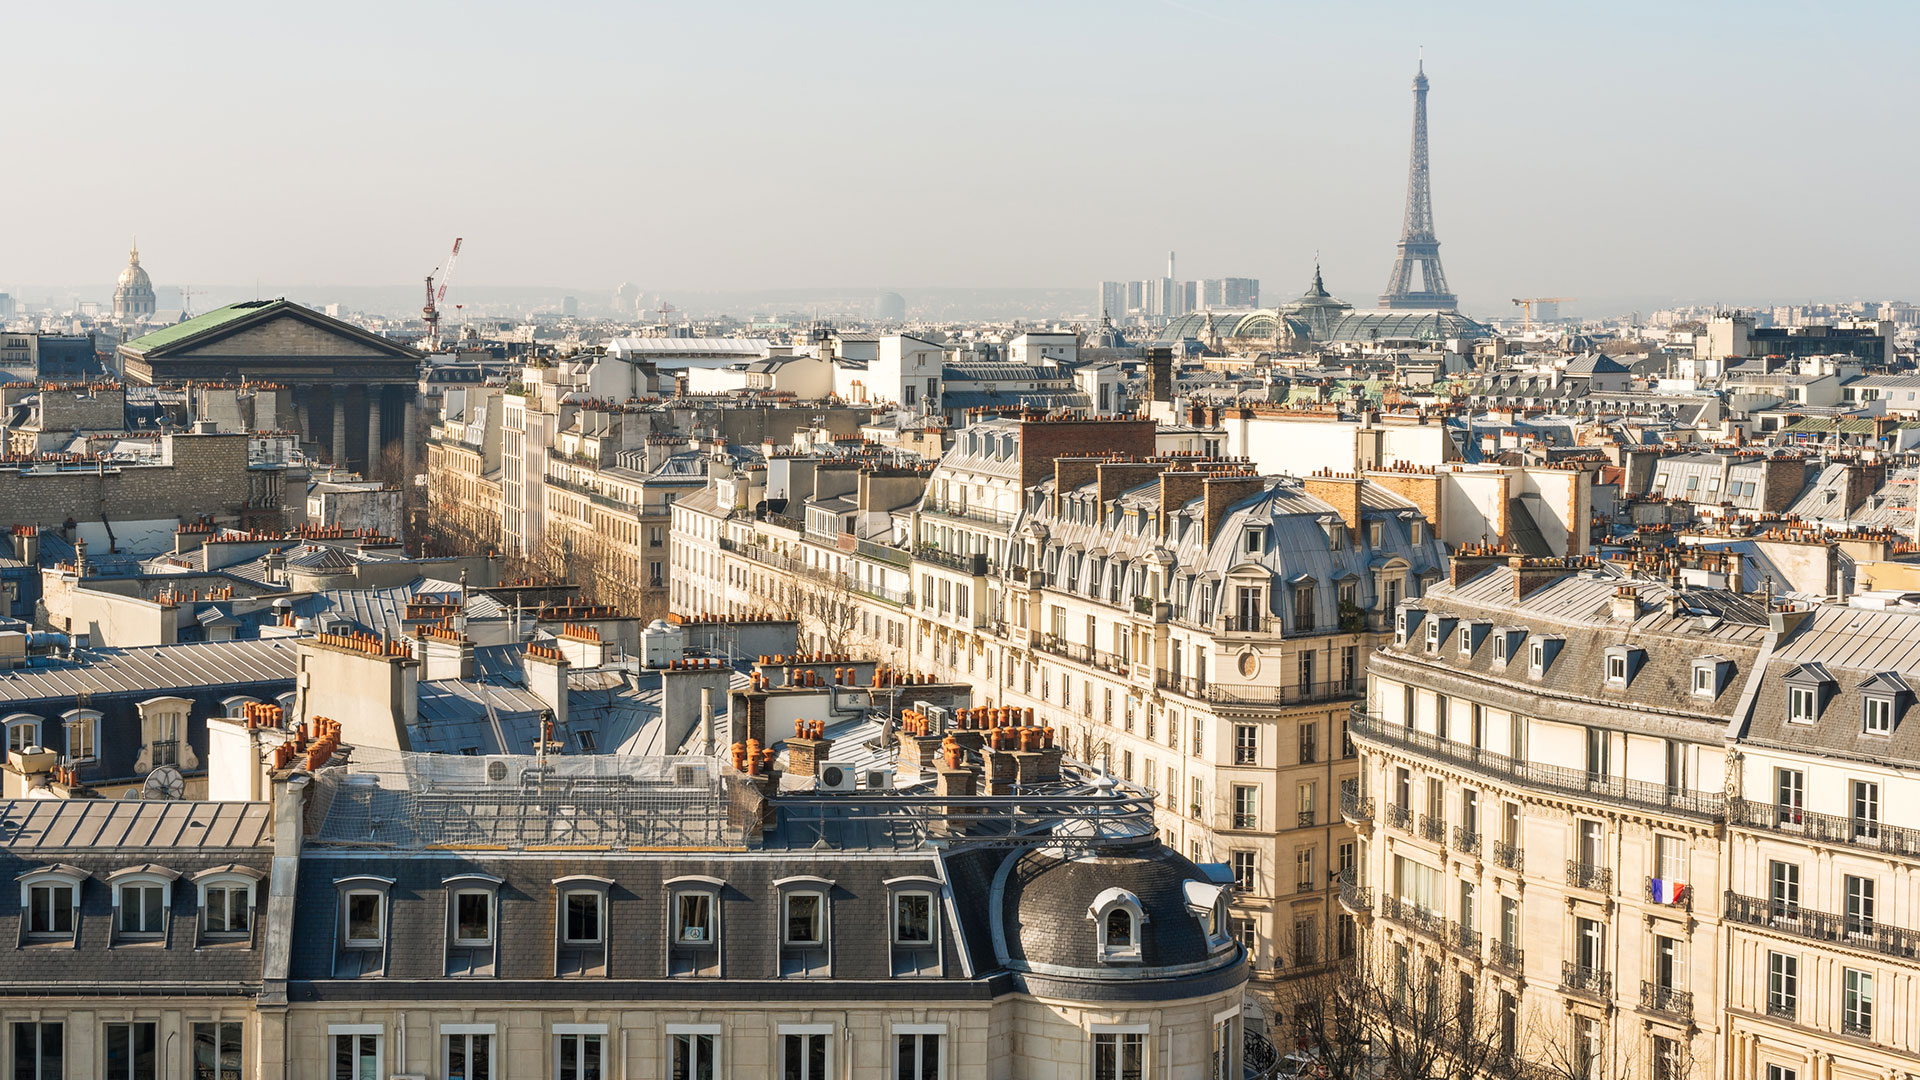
[1419, 249]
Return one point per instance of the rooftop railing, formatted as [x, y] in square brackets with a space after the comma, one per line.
[1864, 833]
[1851, 931]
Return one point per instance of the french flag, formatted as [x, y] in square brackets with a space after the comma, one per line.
[1667, 892]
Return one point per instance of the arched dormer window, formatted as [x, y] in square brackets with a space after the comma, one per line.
[23, 730]
[142, 901]
[83, 735]
[163, 733]
[1119, 920]
[235, 708]
[1207, 901]
[50, 902]
[225, 895]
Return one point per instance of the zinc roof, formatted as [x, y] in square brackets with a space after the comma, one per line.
[163, 825]
[154, 668]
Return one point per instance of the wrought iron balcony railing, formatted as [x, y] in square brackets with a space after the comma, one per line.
[1465, 840]
[1666, 999]
[1865, 833]
[1850, 931]
[1509, 856]
[1582, 875]
[1581, 979]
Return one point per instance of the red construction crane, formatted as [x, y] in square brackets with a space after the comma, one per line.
[666, 309]
[432, 311]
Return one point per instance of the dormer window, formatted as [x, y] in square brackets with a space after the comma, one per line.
[581, 925]
[142, 899]
[1433, 636]
[1255, 540]
[1803, 704]
[913, 918]
[50, 898]
[1466, 642]
[693, 926]
[366, 926]
[803, 919]
[226, 901]
[1877, 716]
[693, 918]
[1710, 676]
[362, 926]
[1500, 648]
[580, 912]
[1537, 660]
[23, 730]
[1118, 919]
[1623, 663]
[1207, 900]
[473, 917]
[805, 927]
[1881, 699]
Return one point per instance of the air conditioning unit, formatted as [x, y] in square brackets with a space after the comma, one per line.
[504, 771]
[938, 718]
[878, 780]
[836, 776]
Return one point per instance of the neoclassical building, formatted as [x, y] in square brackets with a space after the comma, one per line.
[133, 298]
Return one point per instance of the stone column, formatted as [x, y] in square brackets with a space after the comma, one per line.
[374, 443]
[410, 453]
[307, 434]
[339, 426]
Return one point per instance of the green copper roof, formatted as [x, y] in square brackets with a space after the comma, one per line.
[198, 324]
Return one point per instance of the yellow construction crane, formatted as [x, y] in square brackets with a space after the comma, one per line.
[1526, 307]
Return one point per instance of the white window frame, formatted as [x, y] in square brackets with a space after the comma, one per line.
[819, 939]
[1882, 724]
[91, 733]
[347, 940]
[711, 931]
[1104, 906]
[599, 921]
[804, 1031]
[1803, 704]
[933, 918]
[895, 1031]
[52, 877]
[489, 895]
[1119, 1032]
[224, 880]
[1706, 678]
[675, 1032]
[356, 1031]
[559, 1032]
[449, 1032]
[24, 720]
[141, 880]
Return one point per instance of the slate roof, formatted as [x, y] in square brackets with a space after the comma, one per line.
[1853, 645]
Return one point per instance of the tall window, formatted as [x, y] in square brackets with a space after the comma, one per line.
[1783, 984]
[1866, 810]
[365, 925]
[227, 908]
[1245, 877]
[1246, 807]
[1783, 888]
[1666, 962]
[132, 1052]
[581, 917]
[691, 1055]
[913, 918]
[1590, 940]
[803, 919]
[917, 1056]
[356, 1056]
[472, 917]
[1856, 1004]
[1509, 922]
[50, 909]
[467, 1056]
[1246, 744]
[578, 1056]
[803, 1055]
[216, 1051]
[1119, 1055]
[1860, 897]
[1586, 1047]
[142, 907]
[1790, 794]
[1309, 743]
[39, 1051]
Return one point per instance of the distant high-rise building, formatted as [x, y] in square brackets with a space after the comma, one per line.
[133, 297]
[1113, 298]
[570, 306]
[1228, 293]
[1419, 249]
[6, 306]
[626, 298]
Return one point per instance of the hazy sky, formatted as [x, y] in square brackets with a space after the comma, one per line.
[1621, 153]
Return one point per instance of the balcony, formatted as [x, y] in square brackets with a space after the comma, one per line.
[1415, 918]
[1508, 856]
[1305, 886]
[1184, 685]
[981, 515]
[892, 556]
[1508, 958]
[1666, 999]
[1781, 1008]
[1466, 940]
[1581, 979]
[1857, 1025]
[1707, 805]
[1433, 828]
[973, 564]
[1589, 876]
[1059, 646]
[1306, 819]
[1851, 932]
[1399, 817]
[1863, 833]
[1306, 693]
[1465, 840]
[1246, 624]
[896, 597]
[1354, 896]
[1356, 809]
[785, 521]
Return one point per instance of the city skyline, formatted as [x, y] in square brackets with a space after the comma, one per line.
[1623, 174]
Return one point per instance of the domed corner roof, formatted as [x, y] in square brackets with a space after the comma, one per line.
[1046, 897]
[134, 274]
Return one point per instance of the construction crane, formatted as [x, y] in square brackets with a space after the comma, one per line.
[186, 300]
[1526, 307]
[666, 309]
[432, 311]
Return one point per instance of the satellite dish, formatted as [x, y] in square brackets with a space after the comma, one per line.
[164, 782]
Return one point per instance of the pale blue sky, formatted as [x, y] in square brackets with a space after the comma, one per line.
[1622, 153]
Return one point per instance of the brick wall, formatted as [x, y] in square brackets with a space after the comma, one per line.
[208, 476]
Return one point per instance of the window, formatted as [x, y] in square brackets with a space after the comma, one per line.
[1309, 743]
[1303, 870]
[1223, 1044]
[1256, 540]
[803, 1052]
[472, 917]
[1783, 984]
[693, 922]
[1246, 744]
[1801, 704]
[581, 917]
[1246, 807]
[1790, 789]
[216, 1051]
[1783, 888]
[1866, 810]
[693, 1052]
[1617, 668]
[1669, 1060]
[1877, 717]
[83, 735]
[1586, 1047]
[1509, 922]
[226, 907]
[1244, 873]
[142, 907]
[51, 908]
[803, 919]
[1118, 920]
[39, 1051]
[1119, 1055]
[1590, 943]
[913, 918]
[918, 1054]
[1860, 898]
[1781, 1072]
[1500, 647]
[1856, 1002]
[578, 1055]
[1666, 962]
[132, 1052]
[22, 733]
[466, 1052]
[366, 925]
[356, 1052]
[1703, 680]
